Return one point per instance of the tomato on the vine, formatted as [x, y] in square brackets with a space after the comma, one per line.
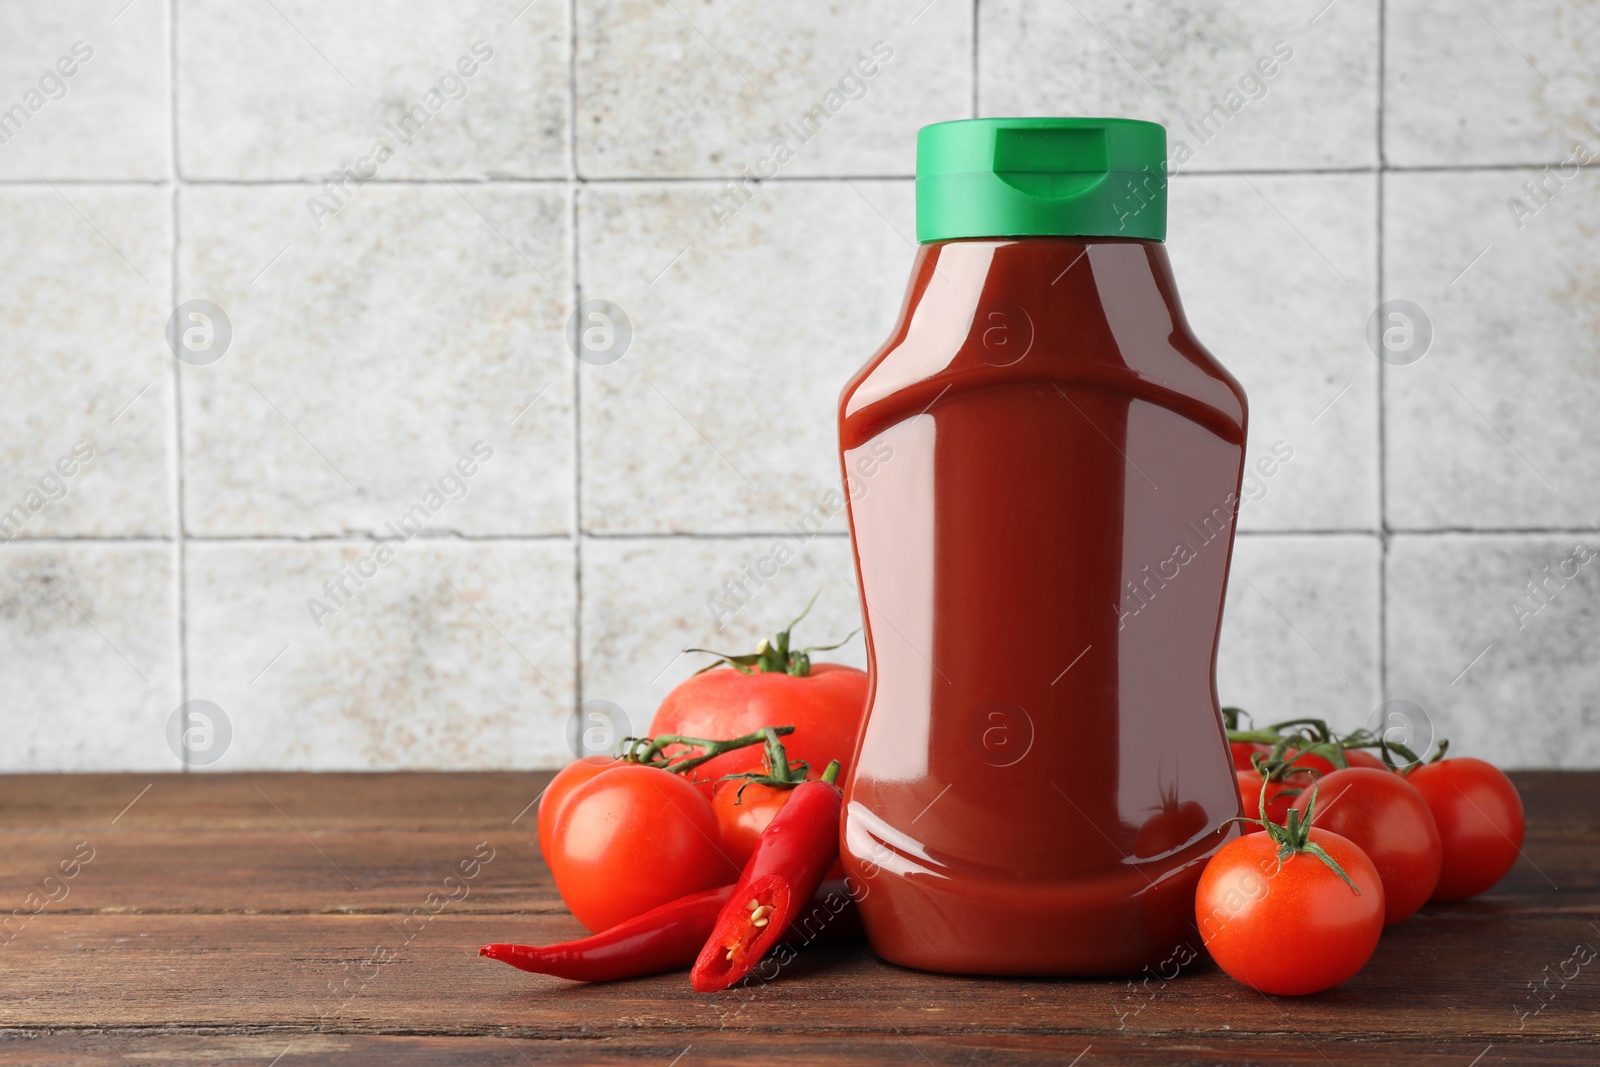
[555, 795]
[825, 702]
[1387, 819]
[631, 838]
[1245, 752]
[1362, 757]
[1251, 785]
[1289, 924]
[1480, 819]
[743, 812]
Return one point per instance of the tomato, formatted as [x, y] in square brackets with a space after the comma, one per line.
[630, 839]
[1388, 820]
[1250, 786]
[1480, 820]
[560, 788]
[1307, 763]
[1364, 757]
[743, 818]
[1292, 930]
[1244, 751]
[825, 707]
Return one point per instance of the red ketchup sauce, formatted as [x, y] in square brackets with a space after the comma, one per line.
[1043, 468]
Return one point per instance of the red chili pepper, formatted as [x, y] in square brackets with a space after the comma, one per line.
[788, 864]
[667, 938]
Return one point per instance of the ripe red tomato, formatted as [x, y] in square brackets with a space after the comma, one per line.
[1250, 786]
[1364, 757]
[743, 823]
[1480, 820]
[560, 788]
[632, 838]
[1244, 751]
[1292, 930]
[825, 707]
[1306, 763]
[742, 819]
[1388, 820]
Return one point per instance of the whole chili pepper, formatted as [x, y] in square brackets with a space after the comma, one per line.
[667, 938]
[788, 864]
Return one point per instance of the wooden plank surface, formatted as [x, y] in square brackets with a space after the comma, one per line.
[228, 918]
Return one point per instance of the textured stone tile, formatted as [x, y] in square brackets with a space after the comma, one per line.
[709, 87]
[1494, 427]
[84, 94]
[1493, 636]
[720, 416]
[297, 89]
[88, 656]
[84, 296]
[1277, 275]
[646, 600]
[370, 355]
[1300, 629]
[452, 655]
[1256, 86]
[1493, 81]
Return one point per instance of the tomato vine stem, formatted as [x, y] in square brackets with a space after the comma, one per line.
[651, 751]
[774, 654]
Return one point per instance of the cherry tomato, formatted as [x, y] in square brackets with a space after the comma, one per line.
[1292, 930]
[1245, 751]
[1250, 785]
[1480, 820]
[1388, 820]
[1364, 757]
[825, 707]
[1307, 763]
[632, 838]
[560, 788]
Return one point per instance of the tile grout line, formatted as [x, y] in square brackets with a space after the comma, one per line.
[718, 179]
[714, 535]
[177, 371]
[1383, 468]
[574, 187]
[975, 112]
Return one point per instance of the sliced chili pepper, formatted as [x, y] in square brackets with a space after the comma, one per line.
[668, 938]
[788, 864]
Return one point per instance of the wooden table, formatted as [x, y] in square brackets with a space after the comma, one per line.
[293, 919]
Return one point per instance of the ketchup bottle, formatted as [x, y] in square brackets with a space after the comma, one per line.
[1043, 468]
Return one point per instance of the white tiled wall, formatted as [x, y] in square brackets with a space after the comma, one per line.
[398, 348]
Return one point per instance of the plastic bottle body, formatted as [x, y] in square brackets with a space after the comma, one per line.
[1043, 469]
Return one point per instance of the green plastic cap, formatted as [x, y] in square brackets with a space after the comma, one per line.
[1042, 177]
